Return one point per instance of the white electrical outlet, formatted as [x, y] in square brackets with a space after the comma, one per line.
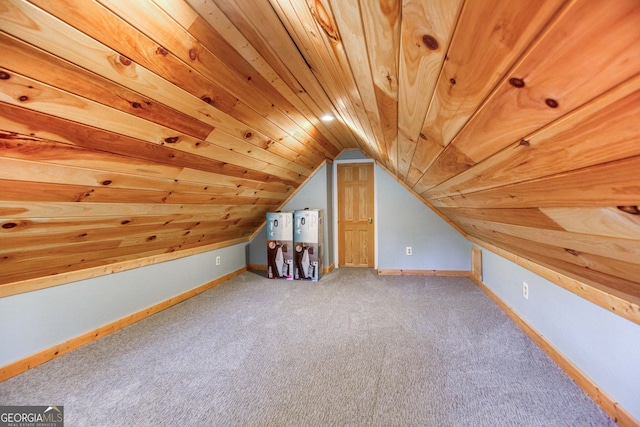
[409, 250]
[218, 260]
[525, 290]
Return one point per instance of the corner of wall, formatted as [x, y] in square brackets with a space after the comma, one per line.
[582, 337]
[408, 221]
[36, 326]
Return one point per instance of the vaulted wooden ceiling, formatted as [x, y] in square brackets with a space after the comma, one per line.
[134, 128]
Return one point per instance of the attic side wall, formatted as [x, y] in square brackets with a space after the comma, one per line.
[315, 194]
[35, 321]
[405, 221]
[401, 220]
[603, 345]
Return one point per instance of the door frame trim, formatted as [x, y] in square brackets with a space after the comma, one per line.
[335, 208]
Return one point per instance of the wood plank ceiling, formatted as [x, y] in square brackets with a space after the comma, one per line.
[134, 128]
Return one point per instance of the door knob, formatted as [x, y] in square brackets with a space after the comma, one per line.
[370, 220]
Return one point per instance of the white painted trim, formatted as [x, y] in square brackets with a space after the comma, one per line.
[335, 208]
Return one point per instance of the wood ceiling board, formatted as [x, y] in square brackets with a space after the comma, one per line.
[245, 33]
[55, 254]
[601, 131]
[586, 263]
[26, 170]
[68, 228]
[66, 42]
[110, 63]
[381, 22]
[318, 19]
[626, 250]
[604, 185]
[588, 39]
[304, 33]
[33, 170]
[29, 122]
[426, 151]
[306, 118]
[120, 36]
[25, 191]
[17, 260]
[489, 38]
[304, 123]
[275, 152]
[48, 246]
[260, 26]
[146, 18]
[239, 146]
[29, 61]
[528, 217]
[30, 250]
[83, 255]
[450, 163]
[15, 285]
[353, 53]
[560, 260]
[31, 209]
[610, 222]
[278, 92]
[21, 91]
[319, 29]
[426, 30]
[26, 147]
[107, 30]
[194, 175]
[273, 134]
[624, 289]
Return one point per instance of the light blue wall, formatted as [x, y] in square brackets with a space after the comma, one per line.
[315, 194]
[403, 220]
[352, 155]
[603, 345]
[38, 320]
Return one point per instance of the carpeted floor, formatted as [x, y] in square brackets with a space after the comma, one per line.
[354, 349]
